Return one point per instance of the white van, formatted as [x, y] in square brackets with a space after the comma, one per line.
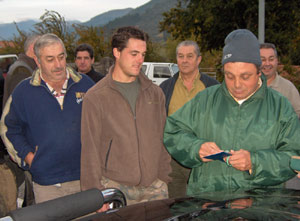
[159, 72]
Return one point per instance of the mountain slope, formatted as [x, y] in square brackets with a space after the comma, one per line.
[8, 30]
[106, 17]
[146, 17]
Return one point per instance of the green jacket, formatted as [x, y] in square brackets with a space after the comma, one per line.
[265, 125]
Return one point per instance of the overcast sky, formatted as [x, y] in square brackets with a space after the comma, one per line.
[82, 10]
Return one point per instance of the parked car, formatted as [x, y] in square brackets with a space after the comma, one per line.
[256, 204]
[5, 62]
[159, 72]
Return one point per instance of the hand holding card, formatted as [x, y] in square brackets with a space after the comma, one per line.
[218, 156]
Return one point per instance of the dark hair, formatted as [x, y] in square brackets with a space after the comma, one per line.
[122, 35]
[269, 45]
[85, 47]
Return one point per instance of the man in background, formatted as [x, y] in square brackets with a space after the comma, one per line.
[18, 71]
[84, 60]
[179, 89]
[269, 60]
[21, 68]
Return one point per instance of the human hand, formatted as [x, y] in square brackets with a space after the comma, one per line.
[240, 160]
[207, 149]
[30, 156]
[104, 208]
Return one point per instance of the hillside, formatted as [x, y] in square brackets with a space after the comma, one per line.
[8, 30]
[146, 17]
[106, 17]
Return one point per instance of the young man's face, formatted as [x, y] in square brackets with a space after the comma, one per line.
[241, 79]
[187, 60]
[269, 62]
[84, 62]
[52, 63]
[131, 58]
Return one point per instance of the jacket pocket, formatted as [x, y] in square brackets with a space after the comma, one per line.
[107, 154]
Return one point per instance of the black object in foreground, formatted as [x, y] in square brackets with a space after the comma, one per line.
[63, 208]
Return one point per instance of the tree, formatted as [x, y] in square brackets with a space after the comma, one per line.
[210, 21]
[53, 22]
[95, 37]
[16, 45]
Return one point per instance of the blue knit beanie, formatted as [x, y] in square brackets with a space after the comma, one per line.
[241, 45]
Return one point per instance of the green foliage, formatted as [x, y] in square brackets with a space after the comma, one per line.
[95, 37]
[53, 22]
[154, 52]
[210, 21]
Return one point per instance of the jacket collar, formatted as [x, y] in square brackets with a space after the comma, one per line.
[259, 94]
[36, 78]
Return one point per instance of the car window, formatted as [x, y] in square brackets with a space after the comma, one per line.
[143, 69]
[162, 72]
[174, 68]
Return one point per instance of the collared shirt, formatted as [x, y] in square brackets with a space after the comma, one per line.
[181, 94]
[59, 96]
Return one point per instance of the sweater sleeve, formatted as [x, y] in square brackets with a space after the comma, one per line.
[13, 132]
[90, 175]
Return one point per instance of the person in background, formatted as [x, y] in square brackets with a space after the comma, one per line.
[240, 134]
[21, 68]
[269, 58]
[180, 89]
[84, 60]
[40, 125]
[123, 118]
[18, 71]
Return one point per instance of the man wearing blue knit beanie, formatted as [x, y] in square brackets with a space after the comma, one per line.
[240, 134]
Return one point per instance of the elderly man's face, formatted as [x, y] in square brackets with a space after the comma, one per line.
[241, 79]
[53, 63]
[187, 60]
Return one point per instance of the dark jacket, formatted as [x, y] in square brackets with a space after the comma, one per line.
[119, 145]
[18, 71]
[168, 85]
[96, 76]
[33, 120]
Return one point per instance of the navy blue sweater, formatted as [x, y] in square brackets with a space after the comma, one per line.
[35, 121]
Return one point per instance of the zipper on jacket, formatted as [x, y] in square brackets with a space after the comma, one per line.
[236, 129]
[107, 155]
[136, 130]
